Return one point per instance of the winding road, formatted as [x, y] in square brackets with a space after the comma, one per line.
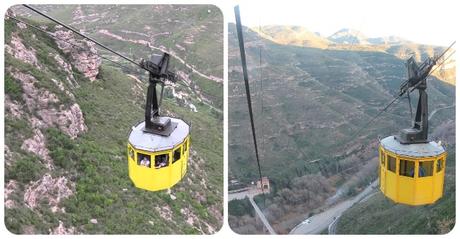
[321, 221]
[438, 109]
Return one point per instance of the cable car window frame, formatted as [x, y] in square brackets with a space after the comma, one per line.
[382, 157]
[391, 161]
[427, 173]
[131, 153]
[144, 155]
[405, 170]
[178, 150]
[185, 146]
[439, 167]
[161, 166]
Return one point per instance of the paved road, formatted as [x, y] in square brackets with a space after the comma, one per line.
[436, 110]
[321, 221]
[262, 217]
[250, 194]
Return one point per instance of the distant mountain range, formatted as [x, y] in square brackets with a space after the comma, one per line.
[298, 35]
[351, 36]
[350, 39]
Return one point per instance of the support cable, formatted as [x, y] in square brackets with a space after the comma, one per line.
[81, 34]
[246, 82]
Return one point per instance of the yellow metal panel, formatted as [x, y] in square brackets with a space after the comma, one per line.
[391, 185]
[406, 189]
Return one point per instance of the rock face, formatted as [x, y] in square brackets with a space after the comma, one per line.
[62, 230]
[12, 107]
[52, 190]
[83, 53]
[68, 118]
[10, 187]
[68, 69]
[36, 145]
[17, 49]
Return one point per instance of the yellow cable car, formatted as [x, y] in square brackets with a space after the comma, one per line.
[158, 148]
[411, 167]
[156, 162]
[411, 174]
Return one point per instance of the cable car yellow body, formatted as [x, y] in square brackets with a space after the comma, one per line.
[411, 174]
[154, 178]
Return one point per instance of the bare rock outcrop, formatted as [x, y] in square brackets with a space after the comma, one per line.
[37, 145]
[12, 107]
[8, 155]
[10, 188]
[165, 212]
[68, 69]
[62, 230]
[84, 56]
[69, 119]
[17, 49]
[49, 188]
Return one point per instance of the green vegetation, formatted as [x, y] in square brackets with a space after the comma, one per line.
[240, 208]
[12, 88]
[26, 169]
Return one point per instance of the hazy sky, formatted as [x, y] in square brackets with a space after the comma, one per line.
[422, 21]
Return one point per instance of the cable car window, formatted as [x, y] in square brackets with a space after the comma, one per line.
[391, 163]
[439, 164]
[131, 153]
[382, 157]
[176, 155]
[425, 169]
[161, 160]
[143, 160]
[406, 168]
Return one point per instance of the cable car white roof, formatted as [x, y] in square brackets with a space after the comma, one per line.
[412, 150]
[154, 143]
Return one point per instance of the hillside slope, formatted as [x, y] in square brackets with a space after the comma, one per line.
[67, 115]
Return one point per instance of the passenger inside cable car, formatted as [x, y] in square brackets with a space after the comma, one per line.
[143, 160]
[161, 160]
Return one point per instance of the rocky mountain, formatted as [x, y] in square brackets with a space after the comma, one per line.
[308, 103]
[67, 114]
[352, 36]
[348, 36]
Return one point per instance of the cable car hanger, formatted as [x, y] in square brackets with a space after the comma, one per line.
[417, 75]
[406, 87]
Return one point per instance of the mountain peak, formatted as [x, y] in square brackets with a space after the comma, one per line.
[348, 36]
[292, 35]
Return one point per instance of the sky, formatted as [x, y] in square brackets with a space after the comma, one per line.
[421, 21]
